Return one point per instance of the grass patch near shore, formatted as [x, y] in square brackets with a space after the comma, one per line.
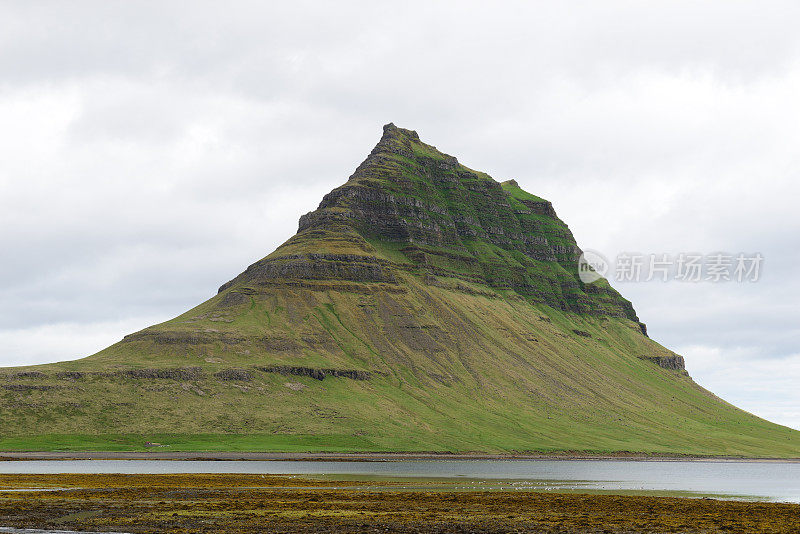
[188, 443]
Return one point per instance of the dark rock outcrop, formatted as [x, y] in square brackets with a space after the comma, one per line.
[70, 375]
[184, 338]
[672, 362]
[29, 374]
[318, 374]
[238, 375]
[314, 266]
[181, 373]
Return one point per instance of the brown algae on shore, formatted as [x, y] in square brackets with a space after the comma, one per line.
[260, 503]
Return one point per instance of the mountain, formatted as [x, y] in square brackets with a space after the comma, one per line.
[422, 307]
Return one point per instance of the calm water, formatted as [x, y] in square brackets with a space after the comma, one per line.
[773, 481]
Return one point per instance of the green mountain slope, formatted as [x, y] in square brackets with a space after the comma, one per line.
[422, 307]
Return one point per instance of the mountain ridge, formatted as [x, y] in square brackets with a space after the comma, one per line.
[423, 306]
[382, 199]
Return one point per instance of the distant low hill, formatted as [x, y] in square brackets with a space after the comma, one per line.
[422, 307]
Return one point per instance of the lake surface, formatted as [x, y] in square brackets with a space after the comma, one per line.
[769, 481]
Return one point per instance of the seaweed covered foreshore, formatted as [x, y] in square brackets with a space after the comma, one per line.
[259, 503]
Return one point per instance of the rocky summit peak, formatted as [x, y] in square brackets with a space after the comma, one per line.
[406, 143]
[411, 210]
[393, 131]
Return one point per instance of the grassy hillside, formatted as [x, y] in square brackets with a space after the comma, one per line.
[401, 317]
[501, 375]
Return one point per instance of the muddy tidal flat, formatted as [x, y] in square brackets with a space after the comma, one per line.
[262, 503]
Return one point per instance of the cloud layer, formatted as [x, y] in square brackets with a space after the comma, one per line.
[151, 152]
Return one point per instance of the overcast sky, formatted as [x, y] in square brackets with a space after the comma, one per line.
[149, 152]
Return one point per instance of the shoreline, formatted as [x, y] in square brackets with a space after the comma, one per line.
[360, 456]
